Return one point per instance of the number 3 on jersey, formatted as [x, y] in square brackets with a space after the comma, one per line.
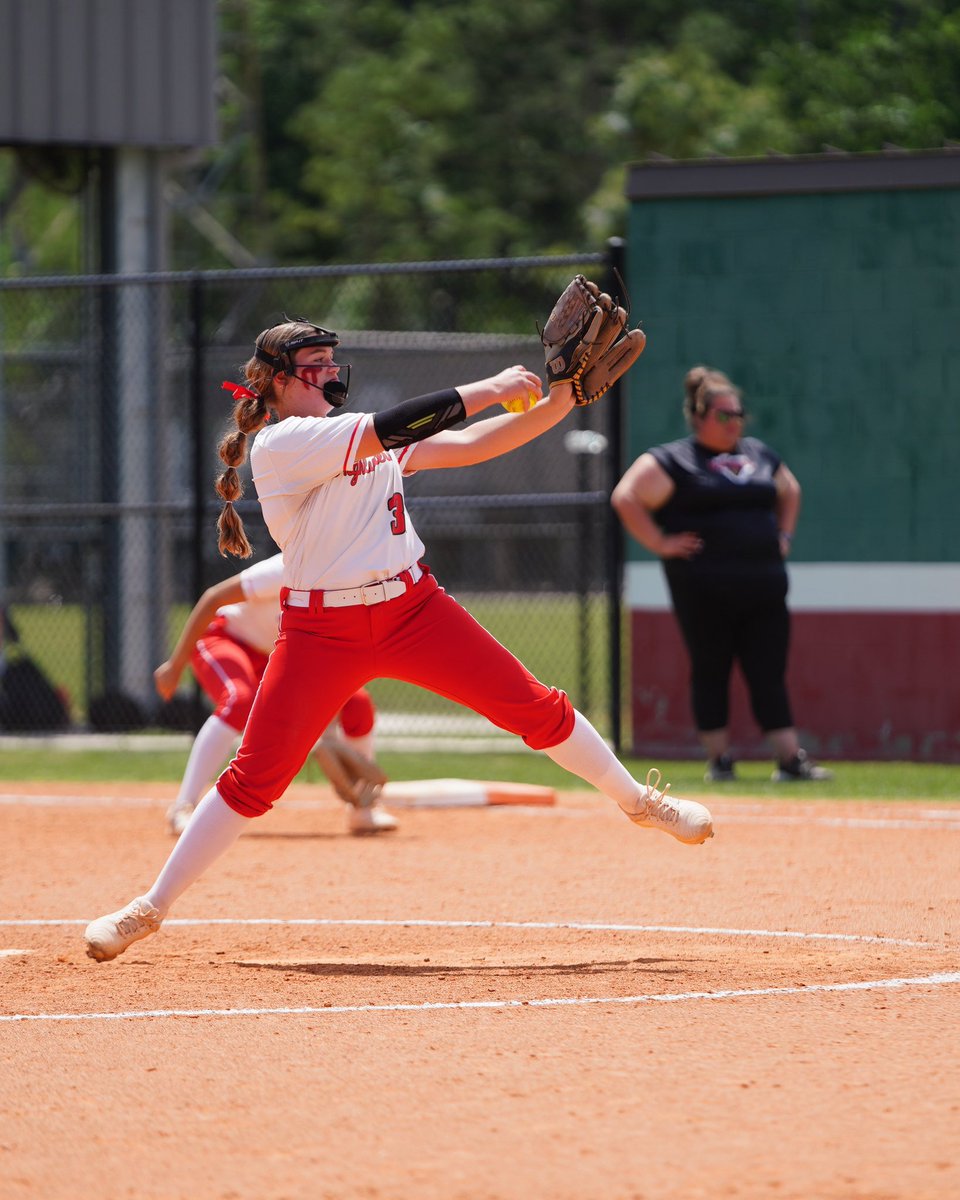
[398, 525]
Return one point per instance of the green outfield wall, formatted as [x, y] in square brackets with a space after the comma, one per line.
[828, 288]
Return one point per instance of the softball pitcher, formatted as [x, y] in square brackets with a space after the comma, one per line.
[227, 640]
[359, 603]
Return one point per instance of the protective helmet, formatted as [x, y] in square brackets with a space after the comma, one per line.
[281, 360]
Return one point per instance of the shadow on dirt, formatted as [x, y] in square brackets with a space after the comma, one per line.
[658, 966]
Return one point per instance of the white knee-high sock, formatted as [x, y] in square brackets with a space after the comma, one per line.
[586, 754]
[213, 829]
[363, 744]
[213, 743]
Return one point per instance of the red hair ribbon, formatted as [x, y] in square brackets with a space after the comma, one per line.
[239, 391]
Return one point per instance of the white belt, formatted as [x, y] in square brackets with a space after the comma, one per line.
[370, 593]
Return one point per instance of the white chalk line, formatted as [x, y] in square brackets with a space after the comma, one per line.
[946, 823]
[586, 926]
[14, 798]
[935, 980]
[943, 820]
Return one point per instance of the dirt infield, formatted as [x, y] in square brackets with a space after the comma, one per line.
[491, 1003]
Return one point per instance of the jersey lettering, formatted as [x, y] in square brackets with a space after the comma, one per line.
[398, 526]
[364, 466]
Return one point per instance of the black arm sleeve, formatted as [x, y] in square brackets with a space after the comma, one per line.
[419, 418]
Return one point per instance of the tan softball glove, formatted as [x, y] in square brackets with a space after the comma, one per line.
[587, 342]
[357, 780]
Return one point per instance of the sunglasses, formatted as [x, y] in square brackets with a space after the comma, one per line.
[726, 415]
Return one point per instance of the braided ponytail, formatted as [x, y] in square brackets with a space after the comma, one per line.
[251, 411]
[250, 414]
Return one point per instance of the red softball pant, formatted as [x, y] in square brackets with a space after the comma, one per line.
[229, 671]
[424, 637]
[358, 715]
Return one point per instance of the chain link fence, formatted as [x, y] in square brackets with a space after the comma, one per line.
[110, 413]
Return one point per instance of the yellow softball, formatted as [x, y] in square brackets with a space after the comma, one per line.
[520, 404]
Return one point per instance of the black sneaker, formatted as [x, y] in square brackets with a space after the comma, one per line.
[800, 767]
[720, 770]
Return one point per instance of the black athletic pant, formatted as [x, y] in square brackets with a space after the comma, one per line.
[735, 617]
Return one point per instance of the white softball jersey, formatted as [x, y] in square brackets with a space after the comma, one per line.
[340, 521]
[255, 619]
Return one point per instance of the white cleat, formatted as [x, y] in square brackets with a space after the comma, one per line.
[110, 935]
[686, 820]
[178, 817]
[373, 819]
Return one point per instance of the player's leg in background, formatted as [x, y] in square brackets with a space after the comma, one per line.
[229, 673]
[357, 720]
[351, 741]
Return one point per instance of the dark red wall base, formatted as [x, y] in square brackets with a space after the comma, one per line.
[862, 686]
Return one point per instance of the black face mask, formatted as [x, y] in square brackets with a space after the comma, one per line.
[334, 392]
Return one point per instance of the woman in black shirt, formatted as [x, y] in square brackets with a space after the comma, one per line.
[719, 510]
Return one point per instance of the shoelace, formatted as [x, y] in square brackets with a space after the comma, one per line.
[133, 921]
[656, 803]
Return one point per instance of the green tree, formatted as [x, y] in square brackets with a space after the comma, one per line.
[446, 138]
[683, 103]
[896, 82]
[397, 130]
[41, 211]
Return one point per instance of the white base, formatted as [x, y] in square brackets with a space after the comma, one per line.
[463, 793]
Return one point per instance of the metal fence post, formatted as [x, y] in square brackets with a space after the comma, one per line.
[616, 264]
[197, 433]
